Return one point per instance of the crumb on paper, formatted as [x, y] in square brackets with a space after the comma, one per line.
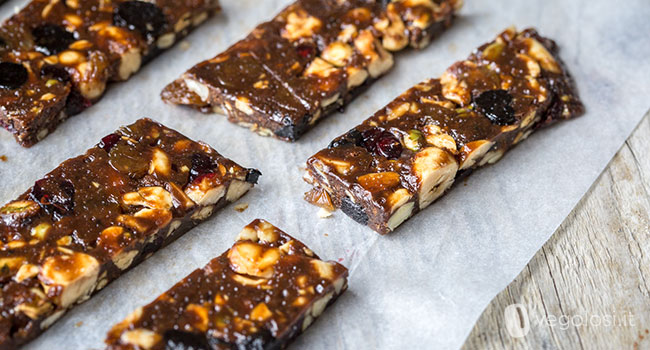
[327, 235]
[324, 213]
[185, 45]
[78, 324]
[241, 207]
[3, 158]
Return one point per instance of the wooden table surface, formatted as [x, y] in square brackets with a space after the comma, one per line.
[589, 285]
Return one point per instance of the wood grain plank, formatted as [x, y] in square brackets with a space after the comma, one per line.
[589, 286]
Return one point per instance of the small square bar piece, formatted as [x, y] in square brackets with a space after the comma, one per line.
[261, 294]
[313, 58]
[97, 215]
[410, 152]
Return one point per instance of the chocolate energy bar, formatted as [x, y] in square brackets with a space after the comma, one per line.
[97, 215]
[56, 56]
[310, 60]
[261, 294]
[410, 152]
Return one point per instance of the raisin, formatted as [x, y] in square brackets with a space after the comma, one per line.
[495, 105]
[12, 75]
[129, 159]
[252, 175]
[352, 137]
[369, 139]
[76, 103]
[382, 143]
[201, 165]
[50, 39]
[109, 141]
[56, 72]
[354, 210]
[145, 17]
[57, 199]
[179, 340]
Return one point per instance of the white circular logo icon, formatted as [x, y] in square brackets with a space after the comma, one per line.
[517, 322]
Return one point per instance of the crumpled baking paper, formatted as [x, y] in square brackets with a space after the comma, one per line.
[424, 286]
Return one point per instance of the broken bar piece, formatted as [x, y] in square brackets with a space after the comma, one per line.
[261, 294]
[56, 56]
[309, 61]
[97, 215]
[409, 153]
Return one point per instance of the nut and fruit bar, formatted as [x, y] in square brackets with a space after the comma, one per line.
[409, 153]
[99, 214]
[260, 294]
[309, 61]
[56, 56]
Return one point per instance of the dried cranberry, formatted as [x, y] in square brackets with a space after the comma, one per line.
[495, 105]
[389, 146]
[180, 340]
[12, 75]
[109, 141]
[352, 137]
[76, 103]
[145, 17]
[305, 51]
[201, 164]
[56, 72]
[383, 143]
[200, 178]
[57, 199]
[50, 39]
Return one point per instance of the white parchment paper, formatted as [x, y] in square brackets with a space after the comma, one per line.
[425, 286]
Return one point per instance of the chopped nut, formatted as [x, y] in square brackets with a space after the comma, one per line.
[160, 164]
[26, 271]
[143, 338]
[324, 213]
[130, 62]
[324, 269]
[394, 38]
[40, 231]
[261, 313]
[201, 320]
[436, 170]
[400, 216]
[124, 259]
[300, 24]
[201, 90]
[474, 151]
[151, 197]
[377, 182]
[337, 53]
[320, 68]
[241, 207]
[237, 189]
[74, 275]
[398, 198]
[542, 55]
[250, 259]
[379, 60]
[319, 305]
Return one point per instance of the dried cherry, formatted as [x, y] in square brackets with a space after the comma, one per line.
[495, 105]
[12, 75]
[145, 17]
[50, 39]
[109, 141]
